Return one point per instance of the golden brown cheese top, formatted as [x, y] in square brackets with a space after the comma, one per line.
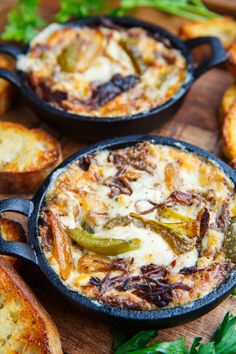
[179, 208]
[103, 72]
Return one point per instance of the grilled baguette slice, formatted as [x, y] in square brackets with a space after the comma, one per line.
[224, 28]
[228, 99]
[27, 156]
[25, 327]
[231, 63]
[229, 134]
[12, 231]
[6, 88]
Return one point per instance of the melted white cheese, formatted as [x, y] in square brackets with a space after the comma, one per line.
[99, 206]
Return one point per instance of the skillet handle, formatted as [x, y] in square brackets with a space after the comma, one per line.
[17, 249]
[8, 75]
[219, 55]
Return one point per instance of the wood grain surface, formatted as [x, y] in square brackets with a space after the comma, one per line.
[197, 123]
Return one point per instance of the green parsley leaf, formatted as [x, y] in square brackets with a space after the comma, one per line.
[223, 341]
[192, 10]
[207, 348]
[24, 22]
[195, 345]
[119, 338]
[79, 9]
[176, 347]
[225, 336]
[138, 341]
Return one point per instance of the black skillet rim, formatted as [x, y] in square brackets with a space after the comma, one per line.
[128, 22]
[116, 312]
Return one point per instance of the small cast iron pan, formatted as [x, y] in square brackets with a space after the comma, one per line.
[94, 129]
[34, 253]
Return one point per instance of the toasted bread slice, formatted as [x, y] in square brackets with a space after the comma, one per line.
[26, 157]
[229, 133]
[223, 27]
[6, 88]
[12, 231]
[25, 327]
[231, 63]
[233, 164]
[228, 99]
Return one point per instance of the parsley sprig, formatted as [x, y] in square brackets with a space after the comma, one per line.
[223, 341]
[24, 21]
[79, 9]
[190, 9]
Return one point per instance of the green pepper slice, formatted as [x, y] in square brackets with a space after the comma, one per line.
[117, 221]
[179, 242]
[69, 57]
[230, 241]
[104, 246]
[181, 223]
[171, 214]
[130, 47]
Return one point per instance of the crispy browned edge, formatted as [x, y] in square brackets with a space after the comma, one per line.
[29, 181]
[18, 287]
[228, 144]
[12, 231]
[188, 29]
[227, 101]
[231, 63]
[6, 88]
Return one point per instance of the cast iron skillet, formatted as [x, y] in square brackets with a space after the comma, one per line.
[33, 251]
[94, 129]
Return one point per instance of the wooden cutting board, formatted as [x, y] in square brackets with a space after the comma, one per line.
[197, 123]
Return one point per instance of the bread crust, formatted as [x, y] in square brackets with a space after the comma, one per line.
[27, 181]
[44, 334]
[12, 231]
[6, 88]
[228, 99]
[229, 133]
[231, 63]
[224, 28]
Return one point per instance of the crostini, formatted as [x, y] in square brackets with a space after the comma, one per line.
[6, 88]
[229, 133]
[27, 156]
[228, 99]
[12, 231]
[25, 327]
[223, 27]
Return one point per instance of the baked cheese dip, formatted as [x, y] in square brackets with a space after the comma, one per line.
[102, 71]
[143, 227]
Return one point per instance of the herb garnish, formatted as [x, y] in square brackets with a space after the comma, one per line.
[79, 9]
[190, 9]
[223, 341]
[24, 21]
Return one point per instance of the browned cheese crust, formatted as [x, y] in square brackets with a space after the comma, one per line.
[103, 71]
[179, 206]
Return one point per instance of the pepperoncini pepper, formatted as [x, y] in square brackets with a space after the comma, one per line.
[179, 242]
[172, 215]
[117, 221]
[104, 246]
